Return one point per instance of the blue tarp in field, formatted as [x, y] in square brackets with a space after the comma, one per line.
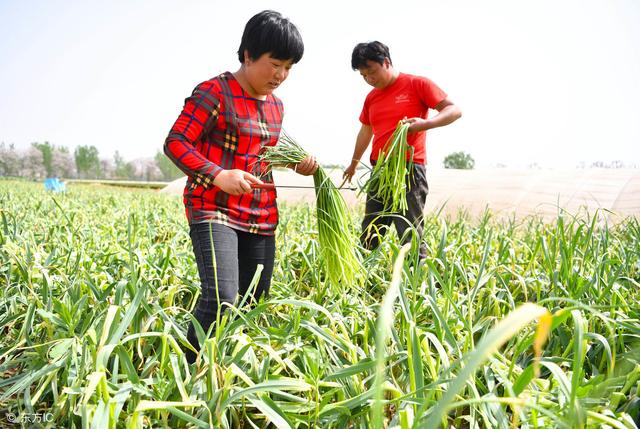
[54, 184]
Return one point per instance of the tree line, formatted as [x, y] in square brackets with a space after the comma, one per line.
[43, 160]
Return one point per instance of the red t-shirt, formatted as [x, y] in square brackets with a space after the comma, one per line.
[410, 96]
[220, 128]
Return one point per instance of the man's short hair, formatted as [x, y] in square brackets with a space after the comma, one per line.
[269, 32]
[369, 51]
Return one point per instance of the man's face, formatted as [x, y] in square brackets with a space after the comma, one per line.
[376, 74]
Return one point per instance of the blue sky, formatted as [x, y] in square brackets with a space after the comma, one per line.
[551, 82]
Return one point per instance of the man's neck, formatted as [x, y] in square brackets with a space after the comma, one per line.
[394, 76]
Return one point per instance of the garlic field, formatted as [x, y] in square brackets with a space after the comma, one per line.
[507, 324]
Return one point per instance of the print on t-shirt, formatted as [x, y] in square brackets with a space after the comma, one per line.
[402, 98]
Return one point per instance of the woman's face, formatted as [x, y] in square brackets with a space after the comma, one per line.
[266, 73]
[376, 74]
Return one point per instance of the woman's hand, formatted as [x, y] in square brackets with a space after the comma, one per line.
[307, 166]
[236, 182]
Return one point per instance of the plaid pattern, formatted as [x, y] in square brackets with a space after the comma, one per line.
[222, 128]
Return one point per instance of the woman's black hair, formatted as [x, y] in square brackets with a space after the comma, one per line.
[369, 51]
[270, 32]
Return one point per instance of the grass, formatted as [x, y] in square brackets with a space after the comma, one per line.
[508, 324]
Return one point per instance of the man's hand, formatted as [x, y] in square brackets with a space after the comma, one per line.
[236, 182]
[306, 167]
[447, 113]
[417, 124]
[350, 171]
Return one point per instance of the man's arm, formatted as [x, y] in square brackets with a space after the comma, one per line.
[362, 142]
[447, 113]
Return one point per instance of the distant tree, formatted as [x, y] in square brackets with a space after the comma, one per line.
[459, 160]
[47, 155]
[152, 172]
[130, 171]
[120, 165]
[107, 169]
[9, 160]
[62, 163]
[146, 169]
[168, 169]
[87, 162]
[31, 164]
[333, 166]
[613, 164]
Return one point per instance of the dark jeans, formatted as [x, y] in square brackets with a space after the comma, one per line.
[237, 255]
[377, 220]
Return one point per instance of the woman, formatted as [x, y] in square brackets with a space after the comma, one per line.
[216, 142]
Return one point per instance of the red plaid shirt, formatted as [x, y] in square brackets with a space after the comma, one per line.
[220, 128]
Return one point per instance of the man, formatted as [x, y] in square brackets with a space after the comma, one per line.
[396, 96]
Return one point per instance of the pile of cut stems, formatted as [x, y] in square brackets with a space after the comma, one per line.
[388, 181]
[335, 232]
